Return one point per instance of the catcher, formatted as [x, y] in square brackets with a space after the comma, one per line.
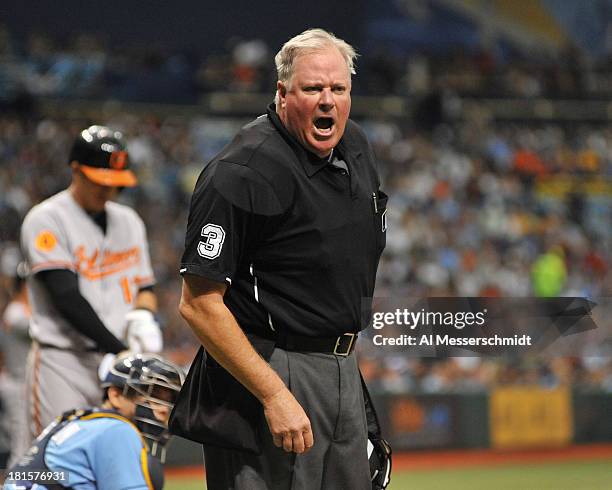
[118, 445]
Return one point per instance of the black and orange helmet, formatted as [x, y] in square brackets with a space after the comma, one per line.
[102, 156]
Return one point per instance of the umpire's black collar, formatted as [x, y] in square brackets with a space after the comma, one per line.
[311, 162]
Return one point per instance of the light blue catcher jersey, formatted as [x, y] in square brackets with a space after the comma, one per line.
[99, 452]
[102, 454]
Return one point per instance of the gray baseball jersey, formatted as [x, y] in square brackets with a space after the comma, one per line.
[111, 266]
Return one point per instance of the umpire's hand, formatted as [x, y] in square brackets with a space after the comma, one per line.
[288, 423]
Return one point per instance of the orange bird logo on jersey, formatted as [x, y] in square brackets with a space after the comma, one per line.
[118, 160]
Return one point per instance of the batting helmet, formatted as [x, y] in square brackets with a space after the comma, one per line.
[156, 381]
[102, 156]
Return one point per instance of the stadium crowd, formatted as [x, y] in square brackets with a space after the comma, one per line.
[89, 66]
[504, 211]
[477, 208]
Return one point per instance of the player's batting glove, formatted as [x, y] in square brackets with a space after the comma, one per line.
[143, 333]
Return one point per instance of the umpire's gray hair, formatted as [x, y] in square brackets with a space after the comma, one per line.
[308, 41]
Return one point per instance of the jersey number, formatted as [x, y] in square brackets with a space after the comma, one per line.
[214, 235]
[125, 287]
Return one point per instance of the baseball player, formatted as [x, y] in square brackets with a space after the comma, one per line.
[91, 280]
[118, 445]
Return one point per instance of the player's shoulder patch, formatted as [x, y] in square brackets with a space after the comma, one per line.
[45, 241]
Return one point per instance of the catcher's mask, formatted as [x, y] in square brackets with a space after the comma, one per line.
[154, 381]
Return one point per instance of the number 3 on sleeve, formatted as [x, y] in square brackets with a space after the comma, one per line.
[210, 247]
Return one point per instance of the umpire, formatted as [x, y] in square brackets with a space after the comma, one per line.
[285, 231]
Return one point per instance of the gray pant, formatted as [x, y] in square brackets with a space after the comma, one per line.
[329, 389]
[15, 405]
[58, 380]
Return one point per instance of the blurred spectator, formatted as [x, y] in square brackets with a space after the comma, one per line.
[87, 66]
[549, 273]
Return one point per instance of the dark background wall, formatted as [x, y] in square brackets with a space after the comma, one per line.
[183, 24]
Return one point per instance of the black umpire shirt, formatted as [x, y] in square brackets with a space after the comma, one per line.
[296, 239]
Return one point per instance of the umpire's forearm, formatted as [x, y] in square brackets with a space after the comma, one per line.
[203, 308]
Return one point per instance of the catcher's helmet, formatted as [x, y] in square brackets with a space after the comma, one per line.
[156, 381]
[102, 156]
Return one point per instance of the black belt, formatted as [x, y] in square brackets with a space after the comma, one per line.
[340, 346]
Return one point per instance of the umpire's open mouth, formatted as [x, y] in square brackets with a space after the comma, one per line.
[324, 125]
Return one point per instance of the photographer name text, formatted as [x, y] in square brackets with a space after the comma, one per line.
[458, 320]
